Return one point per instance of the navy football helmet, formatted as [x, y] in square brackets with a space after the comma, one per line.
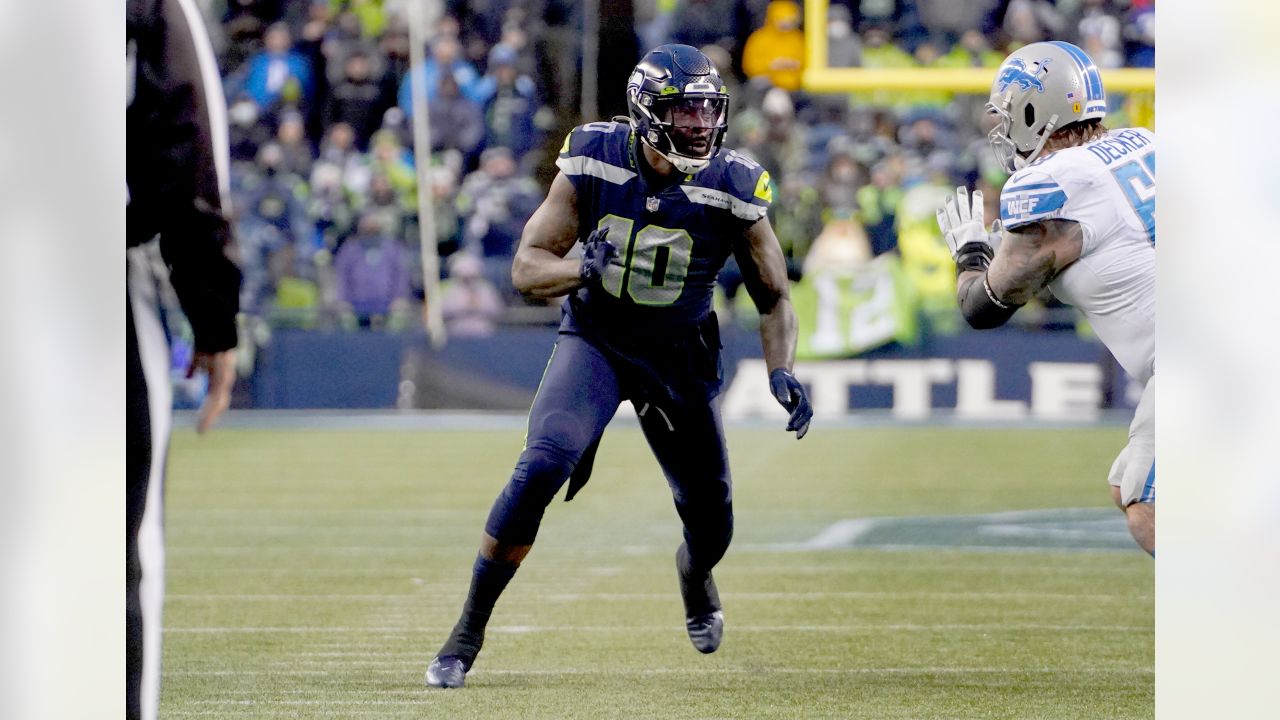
[678, 105]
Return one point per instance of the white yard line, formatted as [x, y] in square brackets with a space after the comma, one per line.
[686, 672]
[525, 629]
[453, 587]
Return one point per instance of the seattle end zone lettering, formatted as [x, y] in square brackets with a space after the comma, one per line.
[1059, 390]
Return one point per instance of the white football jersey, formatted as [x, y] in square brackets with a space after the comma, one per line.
[1108, 186]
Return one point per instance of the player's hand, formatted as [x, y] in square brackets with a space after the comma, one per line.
[597, 251]
[791, 395]
[221, 369]
[960, 220]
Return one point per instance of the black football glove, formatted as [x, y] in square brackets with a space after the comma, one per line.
[790, 393]
[597, 251]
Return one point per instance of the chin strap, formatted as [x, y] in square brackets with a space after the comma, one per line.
[1021, 162]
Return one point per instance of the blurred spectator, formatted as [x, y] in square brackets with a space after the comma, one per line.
[457, 122]
[924, 133]
[494, 203]
[654, 20]
[339, 149]
[738, 95]
[247, 133]
[357, 99]
[776, 50]
[1140, 34]
[444, 193]
[445, 61]
[243, 23]
[839, 185]
[294, 298]
[295, 148]
[276, 75]
[703, 22]
[952, 19]
[329, 207]
[1099, 33]
[878, 203]
[925, 256]
[1028, 21]
[383, 200]
[784, 149]
[371, 14]
[272, 214]
[470, 303]
[393, 48]
[878, 13]
[973, 50]
[314, 44]
[844, 47]
[557, 50]
[841, 246]
[392, 161]
[273, 195]
[371, 274]
[510, 101]
[476, 21]
[879, 52]
[928, 54]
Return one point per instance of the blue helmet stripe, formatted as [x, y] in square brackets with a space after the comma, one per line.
[1092, 80]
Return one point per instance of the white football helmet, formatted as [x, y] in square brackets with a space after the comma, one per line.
[1041, 88]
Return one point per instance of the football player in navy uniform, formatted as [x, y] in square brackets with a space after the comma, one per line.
[658, 206]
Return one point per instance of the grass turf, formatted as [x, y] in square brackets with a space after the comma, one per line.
[313, 574]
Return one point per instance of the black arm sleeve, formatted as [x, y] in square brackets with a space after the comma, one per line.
[981, 309]
[176, 160]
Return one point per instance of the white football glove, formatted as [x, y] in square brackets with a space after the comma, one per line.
[961, 222]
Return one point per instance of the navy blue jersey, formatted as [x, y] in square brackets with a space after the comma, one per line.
[672, 239]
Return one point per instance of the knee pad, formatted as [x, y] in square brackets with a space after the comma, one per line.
[517, 512]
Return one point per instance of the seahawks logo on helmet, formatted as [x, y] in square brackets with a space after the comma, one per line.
[678, 106]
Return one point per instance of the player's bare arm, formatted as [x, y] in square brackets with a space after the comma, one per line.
[1028, 259]
[540, 268]
[999, 270]
[764, 272]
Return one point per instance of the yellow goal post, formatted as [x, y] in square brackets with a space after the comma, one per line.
[819, 78]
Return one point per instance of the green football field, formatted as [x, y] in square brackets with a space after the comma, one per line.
[875, 573]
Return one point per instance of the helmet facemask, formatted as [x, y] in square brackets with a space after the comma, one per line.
[685, 129]
[1008, 154]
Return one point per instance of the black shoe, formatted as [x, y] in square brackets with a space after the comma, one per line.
[450, 672]
[702, 610]
[706, 631]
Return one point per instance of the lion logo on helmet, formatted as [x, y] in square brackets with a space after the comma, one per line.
[1015, 71]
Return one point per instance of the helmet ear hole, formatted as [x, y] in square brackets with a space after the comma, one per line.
[1029, 115]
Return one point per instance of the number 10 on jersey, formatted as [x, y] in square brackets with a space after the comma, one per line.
[650, 266]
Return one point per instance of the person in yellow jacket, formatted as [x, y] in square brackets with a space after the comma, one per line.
[776, 50]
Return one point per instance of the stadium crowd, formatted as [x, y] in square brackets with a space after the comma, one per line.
[323, 171]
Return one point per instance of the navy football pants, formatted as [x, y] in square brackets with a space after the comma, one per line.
[579, 394]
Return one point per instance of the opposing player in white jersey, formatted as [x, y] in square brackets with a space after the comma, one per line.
[1078, 217]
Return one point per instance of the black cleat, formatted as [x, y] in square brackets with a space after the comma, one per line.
[706, 631]
[450, 672]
